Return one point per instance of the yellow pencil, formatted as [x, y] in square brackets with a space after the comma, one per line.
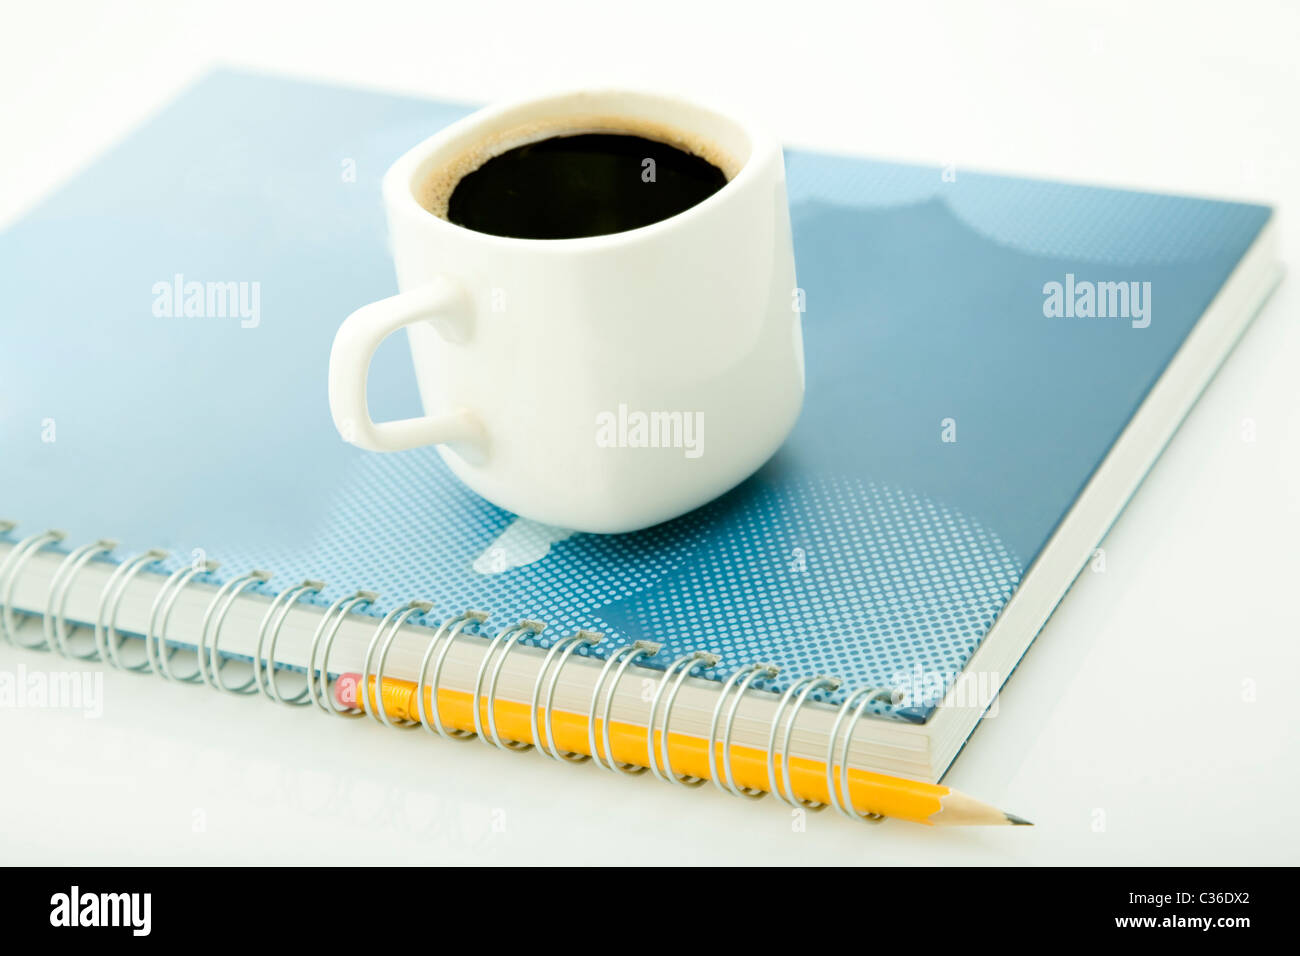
[914, 800]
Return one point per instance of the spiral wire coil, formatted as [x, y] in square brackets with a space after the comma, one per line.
[211, 663]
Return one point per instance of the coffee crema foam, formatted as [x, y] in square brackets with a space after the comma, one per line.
[434, 192]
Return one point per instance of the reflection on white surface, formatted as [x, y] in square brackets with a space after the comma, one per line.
[523, 542]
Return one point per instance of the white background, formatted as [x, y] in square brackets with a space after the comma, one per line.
[1153, 721]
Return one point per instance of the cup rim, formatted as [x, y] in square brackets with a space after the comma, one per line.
[400, 181]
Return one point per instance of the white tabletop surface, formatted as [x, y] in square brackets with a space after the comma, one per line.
[1154, 720]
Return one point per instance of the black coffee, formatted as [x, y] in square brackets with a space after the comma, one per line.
[587, 184]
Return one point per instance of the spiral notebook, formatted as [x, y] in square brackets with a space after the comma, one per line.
[992, 364]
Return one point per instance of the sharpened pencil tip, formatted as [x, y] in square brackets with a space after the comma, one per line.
[1016, 821]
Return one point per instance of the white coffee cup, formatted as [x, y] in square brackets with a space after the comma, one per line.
[601, 384]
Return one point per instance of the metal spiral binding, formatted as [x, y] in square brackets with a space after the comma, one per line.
[741, 680]
[505, 641]
[56, 603]
[268, 634]
[156, 650]
[564, 648]
[841, 798]
[447, 632]
[327, 630]
[210, 663]
[681, 668]
[385, 634]
[13, 563]
[107, 639]
[621, 659]
[803, 688]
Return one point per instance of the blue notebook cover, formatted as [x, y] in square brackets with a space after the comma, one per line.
[871, 545]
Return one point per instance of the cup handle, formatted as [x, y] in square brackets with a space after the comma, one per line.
[441, 302]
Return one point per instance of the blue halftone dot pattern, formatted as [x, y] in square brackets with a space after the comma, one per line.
[834, 575]
[828, 574]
